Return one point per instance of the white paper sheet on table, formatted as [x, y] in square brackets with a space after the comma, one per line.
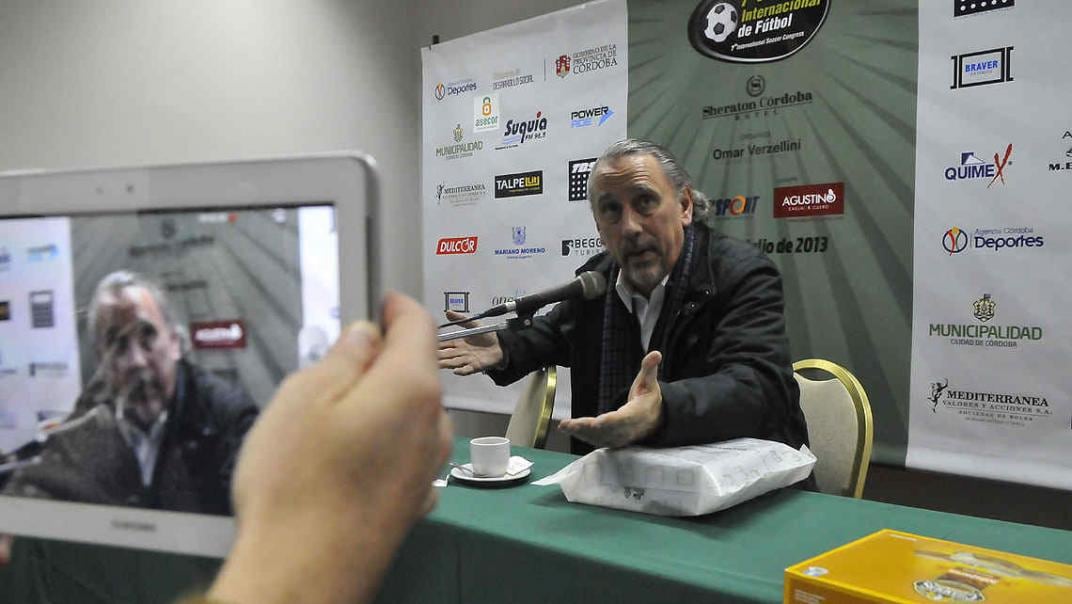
[682, 481]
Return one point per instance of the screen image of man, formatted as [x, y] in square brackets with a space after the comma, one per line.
[151, 429]
[688, 344]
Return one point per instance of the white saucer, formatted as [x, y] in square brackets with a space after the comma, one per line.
[465, 476]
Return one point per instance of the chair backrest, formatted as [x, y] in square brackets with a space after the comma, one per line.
[840, 429]
[532, 415]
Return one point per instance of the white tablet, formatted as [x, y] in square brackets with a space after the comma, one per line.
[146, 316]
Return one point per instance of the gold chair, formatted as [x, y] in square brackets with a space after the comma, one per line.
[840, 426]
[532, 415]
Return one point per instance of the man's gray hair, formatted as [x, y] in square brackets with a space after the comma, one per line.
[113, 285]
[677, 175]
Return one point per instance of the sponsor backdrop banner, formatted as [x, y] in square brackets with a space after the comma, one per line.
[512, 120]
[990, 380]
[797, 119]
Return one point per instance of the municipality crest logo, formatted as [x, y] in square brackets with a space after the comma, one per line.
[519, 252]
[983, 308]
[458, 148]
[562, 66]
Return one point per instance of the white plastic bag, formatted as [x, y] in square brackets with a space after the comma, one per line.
[682, 481]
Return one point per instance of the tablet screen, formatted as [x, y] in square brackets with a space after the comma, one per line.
[136, 349]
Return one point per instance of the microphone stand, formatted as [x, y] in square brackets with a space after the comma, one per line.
[515, 323]
[18, 464]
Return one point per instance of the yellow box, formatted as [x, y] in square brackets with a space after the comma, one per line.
[891, 566]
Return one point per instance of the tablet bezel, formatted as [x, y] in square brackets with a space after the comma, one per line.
[346, 180]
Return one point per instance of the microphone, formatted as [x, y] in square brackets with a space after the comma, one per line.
[588, 286]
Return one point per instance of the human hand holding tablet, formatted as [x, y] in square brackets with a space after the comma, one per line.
[246, 256]
[339, 467]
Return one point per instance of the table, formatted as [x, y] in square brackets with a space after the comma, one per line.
[528, 544]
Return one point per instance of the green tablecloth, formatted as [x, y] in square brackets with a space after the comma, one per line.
[527, 544]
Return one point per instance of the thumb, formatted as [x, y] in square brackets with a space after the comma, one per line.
[457, 316]
[6, 542]
[648, 376]
[347, 360]
[357, 346]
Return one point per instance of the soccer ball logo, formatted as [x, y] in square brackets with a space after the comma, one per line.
[722, 21]
[724, 30]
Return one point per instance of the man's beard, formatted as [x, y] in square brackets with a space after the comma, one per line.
[140, 398]
[645, 277]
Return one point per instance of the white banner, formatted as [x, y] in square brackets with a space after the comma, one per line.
[318, 242]
[512, 119]
[990, 380]
[40, 376]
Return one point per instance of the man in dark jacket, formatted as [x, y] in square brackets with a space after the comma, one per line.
[696, 317]
[151, 429]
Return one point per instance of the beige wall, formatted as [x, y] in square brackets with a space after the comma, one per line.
[120, 82]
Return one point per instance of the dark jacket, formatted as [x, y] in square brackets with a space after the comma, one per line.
[87, 460]
[726, 371]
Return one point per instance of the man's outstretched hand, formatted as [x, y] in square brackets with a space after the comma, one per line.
[470, 355]
[634, 421]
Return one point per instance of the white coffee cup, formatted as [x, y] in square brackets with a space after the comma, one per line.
[489, 455]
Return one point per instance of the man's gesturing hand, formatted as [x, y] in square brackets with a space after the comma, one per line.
[637, 419]
[472, 354]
